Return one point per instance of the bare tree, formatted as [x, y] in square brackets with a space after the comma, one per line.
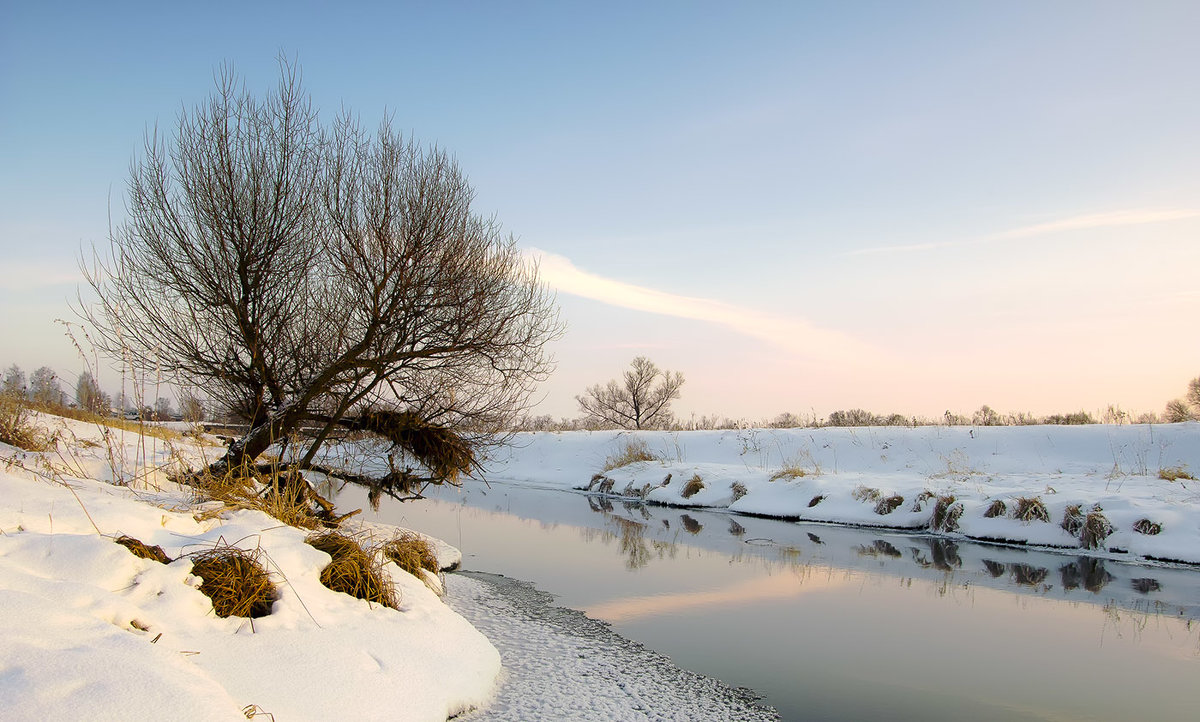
[89, 396]
[308, 275]
[640, 400]
[44, 388]
[191, 406]
[14, 382]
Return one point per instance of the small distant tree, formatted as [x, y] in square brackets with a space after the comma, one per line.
[89, 396]
[14, 382]
[162, 409]
[1187, 408]
[640, 400]
[191, 407]
[44, 388]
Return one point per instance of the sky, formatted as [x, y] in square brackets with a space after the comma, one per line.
[907, 207]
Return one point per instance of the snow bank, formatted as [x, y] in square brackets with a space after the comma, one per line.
[894, 477]
[90, 629]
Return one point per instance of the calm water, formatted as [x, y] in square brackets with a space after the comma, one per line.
[831, 623]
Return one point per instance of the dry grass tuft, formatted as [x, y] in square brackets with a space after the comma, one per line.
[635, 450]
[1145, 526]
[924, 496]
[1096, 529]
[792, 471]
[1030, 509]
[412, 553]
[283, 494]
[145, 551]
[995, 509]
[17, 427]
[866, 493]
[1073, 520]
[1175, 473]
[693, 487]
[235, 581]
[889, 504]
[738, 490]
[353, 570]
[946, 512]
[816, 500]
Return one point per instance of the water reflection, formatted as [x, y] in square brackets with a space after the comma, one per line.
[646, 533]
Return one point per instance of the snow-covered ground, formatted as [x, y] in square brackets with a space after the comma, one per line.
[88, 630]
[946, 479]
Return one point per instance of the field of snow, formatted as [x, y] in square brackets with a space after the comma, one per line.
[944, 479]
[91, 631]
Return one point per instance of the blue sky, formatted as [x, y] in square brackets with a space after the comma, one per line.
[907, 207]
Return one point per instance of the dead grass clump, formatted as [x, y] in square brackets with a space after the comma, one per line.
[946, 512]
[737, 489]
[412, 553]
[995, 509]
[635, 450]
[1073, 520]
[1145, 526]
[866, 494]
[281, 493]
[692, 487]
[17, 427]
[924, 496]
[816, 500]
[789, 472]
[889, 504]
[353, 570]
[145, 551]
[1175, 473]
[235, 581]
[1096, 529]
[1031, 509]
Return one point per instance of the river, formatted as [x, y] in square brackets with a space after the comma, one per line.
[836, 623]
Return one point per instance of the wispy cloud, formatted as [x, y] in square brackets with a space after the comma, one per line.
[792, 333]
[1113, 219]
[31, 276]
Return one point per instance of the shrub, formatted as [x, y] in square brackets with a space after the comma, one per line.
[633, 451]
[1030, 509]
[235, 581]
[1145, 526]
[692, 487]
[889, 504]
[145, 551]
[1175, 473]
[995, 509]
[353, 570]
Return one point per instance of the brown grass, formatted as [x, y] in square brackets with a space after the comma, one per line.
[1145, 526]
[278, 493]
[1096, 529]
[693, 487]
[816, 500]
[995, 509]
[1175, 473]
[115, 422]
[236, 581]
[889, 504]
[143, 550]
[866, 494]
[17, 427]
[1073, 520]
[737, 489]
[792, 471]
[946, 513]
[1030, 509]
[353, 570]
[412, 553]
[445, 453]
[635, 450]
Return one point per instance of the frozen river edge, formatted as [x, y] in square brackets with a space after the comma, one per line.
[559, 663]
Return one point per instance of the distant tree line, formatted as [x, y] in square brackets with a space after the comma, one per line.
[44, 388]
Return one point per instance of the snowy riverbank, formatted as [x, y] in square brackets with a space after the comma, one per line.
[1103, 490]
